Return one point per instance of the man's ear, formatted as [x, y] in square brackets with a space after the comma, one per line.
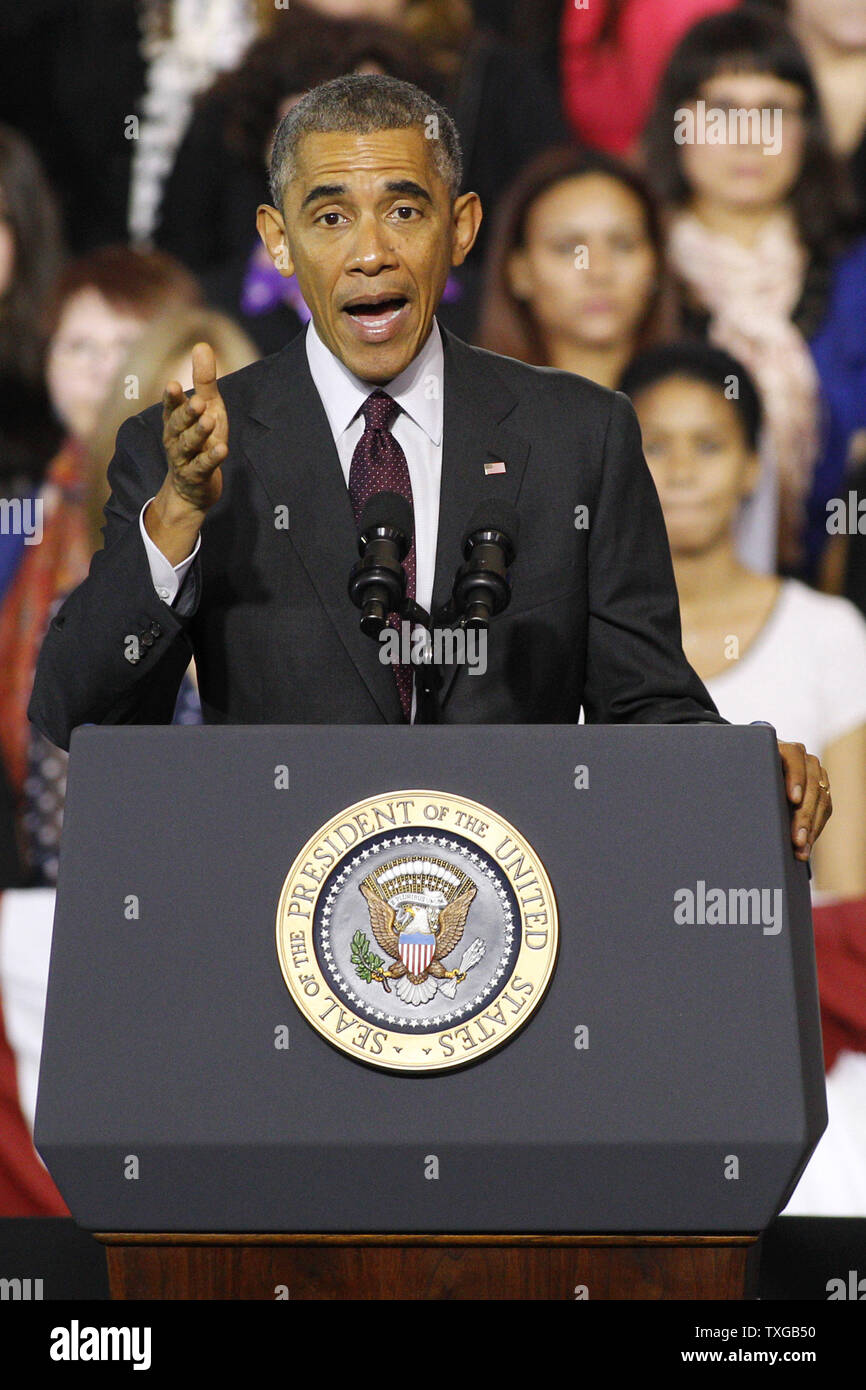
[466, 215]
[272, 230]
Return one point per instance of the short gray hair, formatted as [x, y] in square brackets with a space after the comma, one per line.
[360, 103]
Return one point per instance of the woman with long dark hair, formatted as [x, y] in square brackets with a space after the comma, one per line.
[573, 273]
[760, 240]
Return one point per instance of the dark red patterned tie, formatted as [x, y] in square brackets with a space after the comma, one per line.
[379, 465]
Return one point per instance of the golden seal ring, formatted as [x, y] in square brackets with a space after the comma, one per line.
[417, 931]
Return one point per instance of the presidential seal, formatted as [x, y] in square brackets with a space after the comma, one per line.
[417, 931]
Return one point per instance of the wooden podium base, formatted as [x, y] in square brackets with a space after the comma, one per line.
[382, 1267]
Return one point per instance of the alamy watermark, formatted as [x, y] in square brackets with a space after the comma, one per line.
[21, 516]
[732, 907]
[846, 516]
[732, 125]
[20, 1290]
[853, 1288]
[77, 1343]
[444, 646]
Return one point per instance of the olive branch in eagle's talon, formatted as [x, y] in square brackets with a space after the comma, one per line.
[367, 965]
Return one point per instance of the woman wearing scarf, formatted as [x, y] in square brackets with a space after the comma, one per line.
[757, 239]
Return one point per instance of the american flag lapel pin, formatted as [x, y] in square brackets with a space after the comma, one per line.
[497, 467]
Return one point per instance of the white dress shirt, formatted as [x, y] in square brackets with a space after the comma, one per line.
[418, 430]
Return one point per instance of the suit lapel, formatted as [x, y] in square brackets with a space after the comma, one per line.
[292, 449]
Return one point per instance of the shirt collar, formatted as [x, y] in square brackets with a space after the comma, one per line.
[343, 393]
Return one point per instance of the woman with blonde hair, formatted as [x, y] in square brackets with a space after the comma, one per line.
[163, 353]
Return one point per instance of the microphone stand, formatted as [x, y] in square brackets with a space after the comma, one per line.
[428, 676]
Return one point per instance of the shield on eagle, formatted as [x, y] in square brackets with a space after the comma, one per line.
[416, 950]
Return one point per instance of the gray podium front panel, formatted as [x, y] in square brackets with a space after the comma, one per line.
[693, 1108]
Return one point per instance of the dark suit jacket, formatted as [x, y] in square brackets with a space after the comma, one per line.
[594, 615]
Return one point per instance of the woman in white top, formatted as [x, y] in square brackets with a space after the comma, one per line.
[765, 647]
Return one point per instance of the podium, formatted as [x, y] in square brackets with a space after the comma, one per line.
[242, 1103]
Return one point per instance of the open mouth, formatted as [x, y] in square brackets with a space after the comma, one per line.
[374, 317]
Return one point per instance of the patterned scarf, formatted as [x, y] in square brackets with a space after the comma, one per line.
[57, 564]
[751, 293]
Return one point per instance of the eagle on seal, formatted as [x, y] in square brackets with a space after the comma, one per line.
[418, 937]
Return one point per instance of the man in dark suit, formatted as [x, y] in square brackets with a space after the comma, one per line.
[238, 552]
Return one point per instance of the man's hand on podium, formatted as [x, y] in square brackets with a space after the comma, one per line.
[195, 436]
[808, 789]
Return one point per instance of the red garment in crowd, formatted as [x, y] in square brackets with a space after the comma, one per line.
[25, 1186]
[608, 88]
[52, 568]
[840, 951]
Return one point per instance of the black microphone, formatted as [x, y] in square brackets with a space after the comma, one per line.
[481, 585]
[377, 583]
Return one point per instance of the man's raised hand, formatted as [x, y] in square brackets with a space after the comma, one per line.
[195, 434]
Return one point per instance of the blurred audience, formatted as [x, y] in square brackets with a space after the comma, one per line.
[161, 353]
[185, 44]
[100, 306]
[833, 37]
[574, 270]
[765, 647]
[842, 568]
[60, 88]
[532, 24]
[612, 54]
[760, 240]
[387, 11]
[30, 259]
[104, 89]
